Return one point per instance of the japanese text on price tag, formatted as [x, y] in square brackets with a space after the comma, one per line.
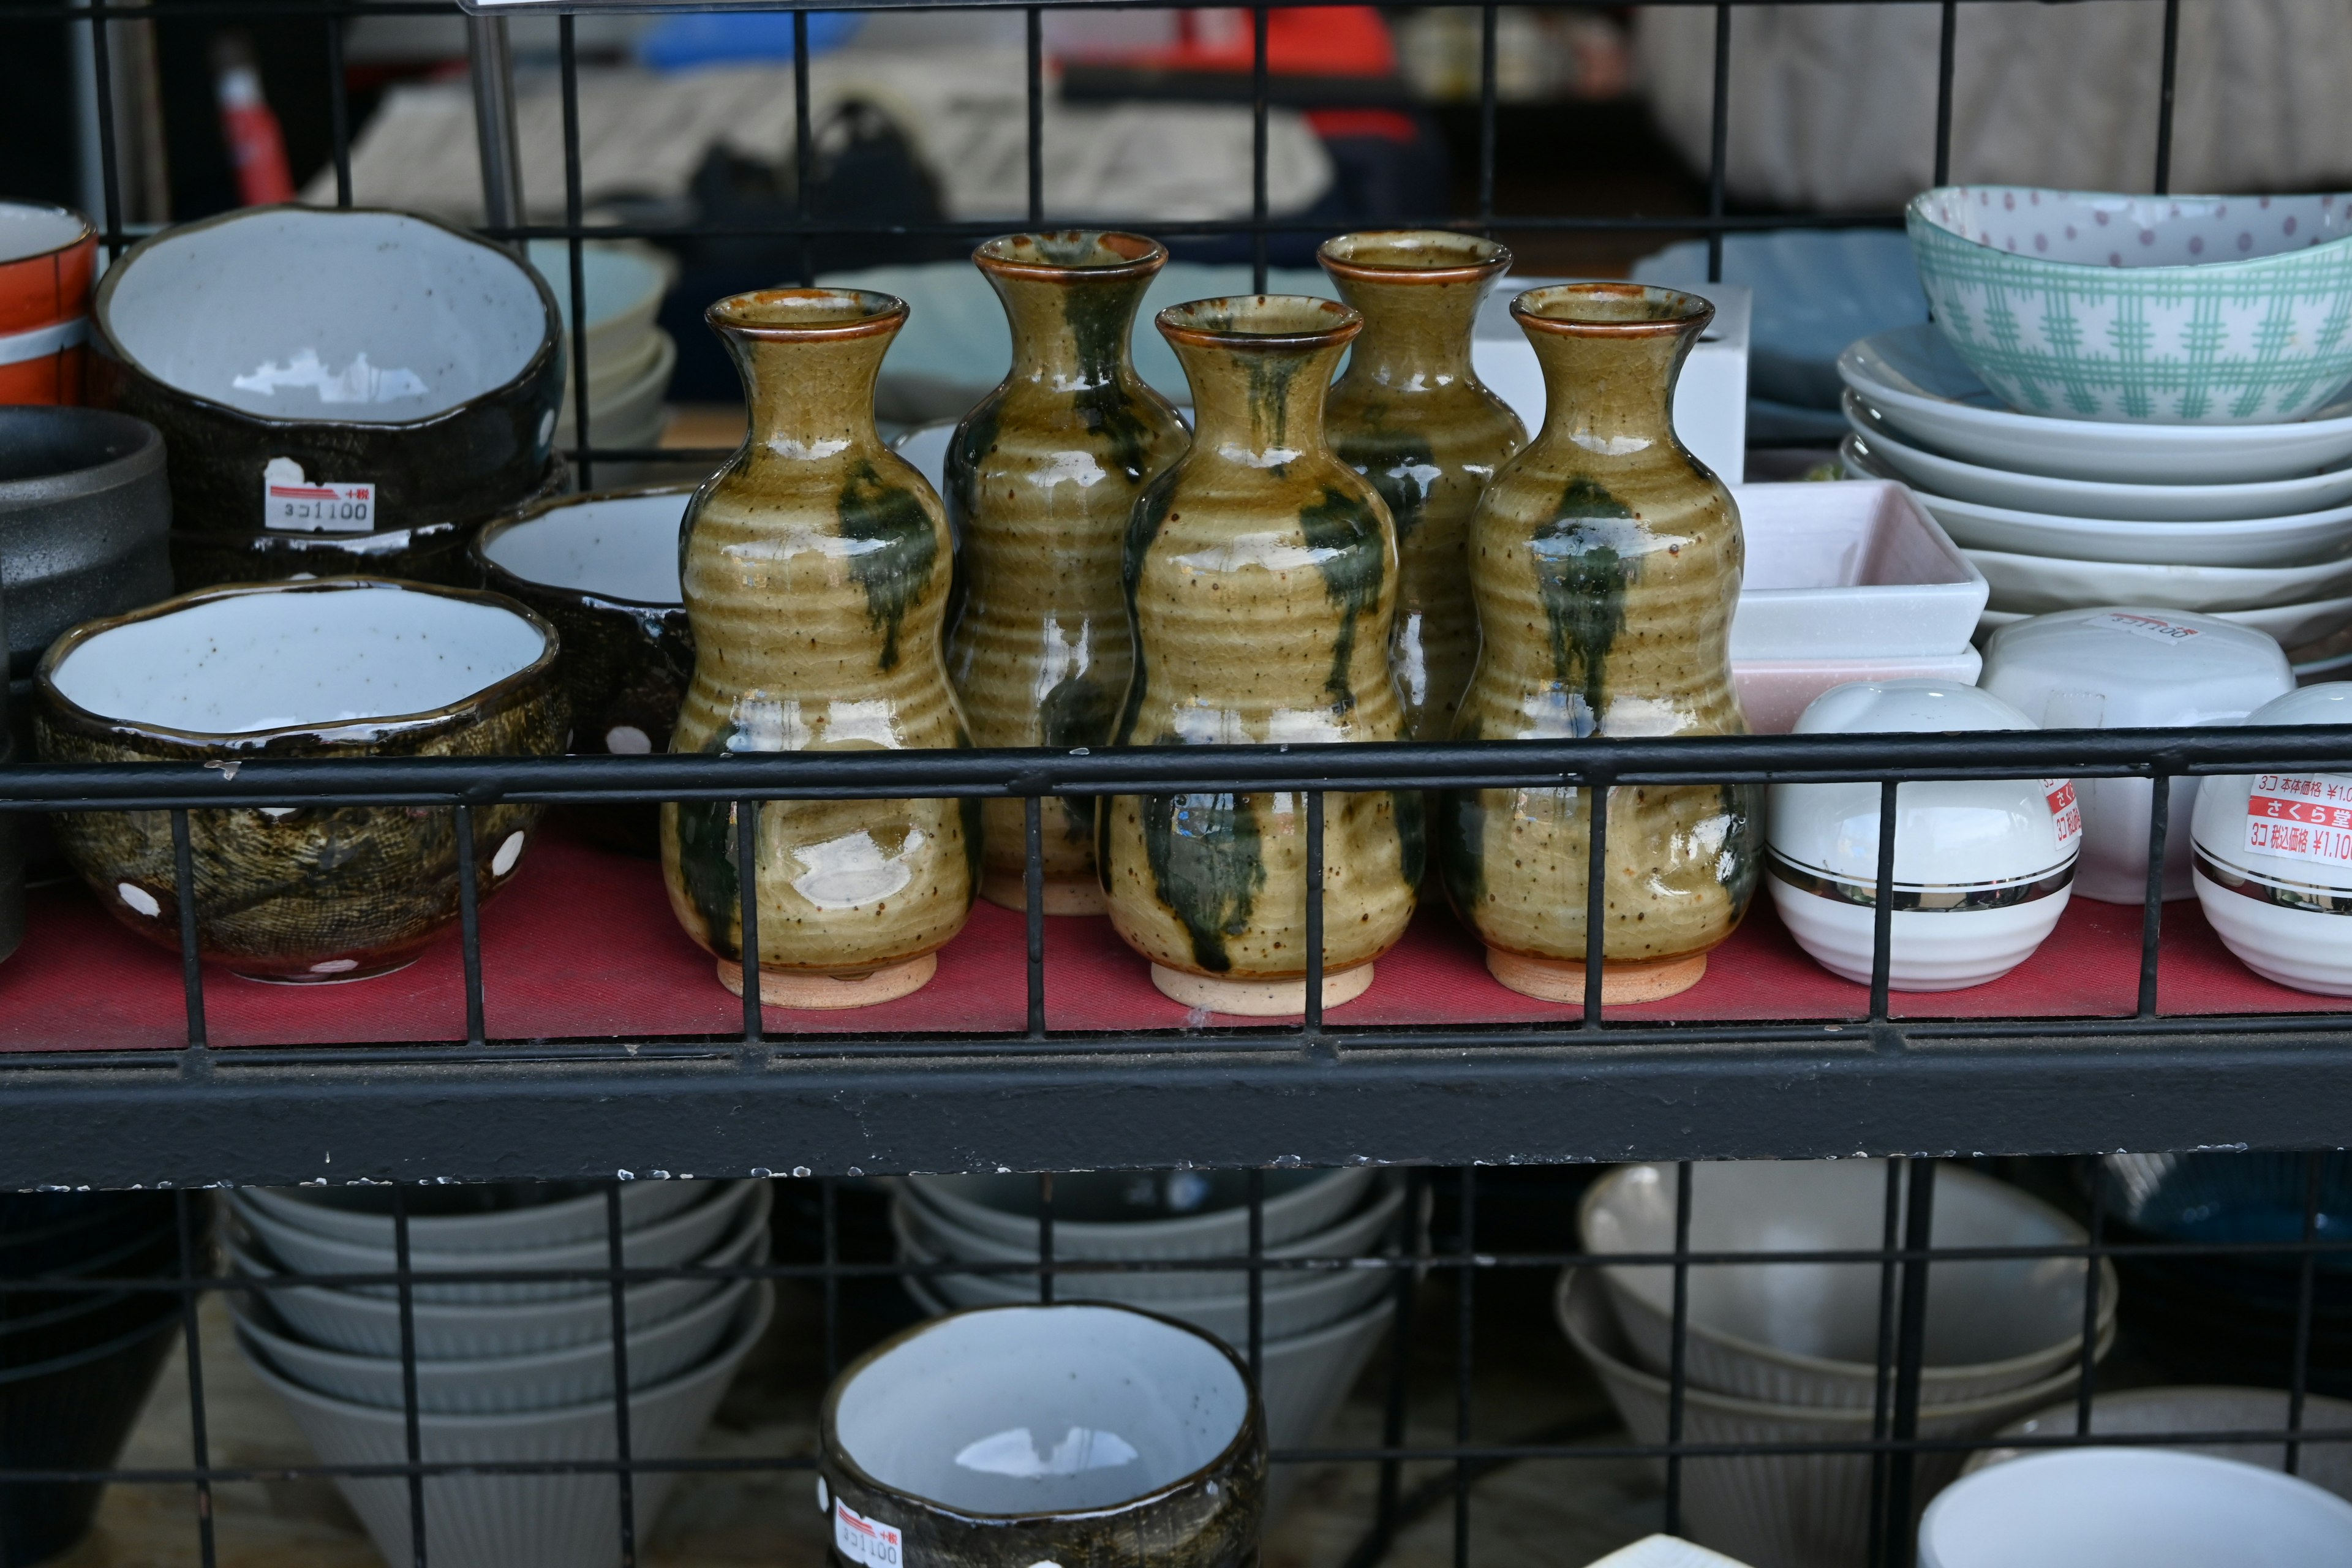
[869, 1540]
[2301, 817]
[292, 501]
[2065, 810]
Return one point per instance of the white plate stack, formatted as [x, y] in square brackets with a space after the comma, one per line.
[1319, 1325]
[630, 359]
[2249, 522]
[506, 1370]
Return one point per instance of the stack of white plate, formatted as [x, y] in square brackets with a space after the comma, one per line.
[505, 1370]
[630, 359]
[2249, 522]
[1319, 1325]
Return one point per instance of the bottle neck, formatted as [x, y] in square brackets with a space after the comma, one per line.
[1612, 396]
[1416, 333]
[1257, 404]
[1074, 332]
[811, 397]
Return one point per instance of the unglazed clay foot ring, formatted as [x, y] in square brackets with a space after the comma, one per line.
[803, 988]
[1622, 984]
[1064, 895]
[1259, 998]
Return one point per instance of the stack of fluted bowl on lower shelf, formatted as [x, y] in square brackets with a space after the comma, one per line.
[75, 1365]
[1781, 1354]
[1319, 1325]
[512, 1369]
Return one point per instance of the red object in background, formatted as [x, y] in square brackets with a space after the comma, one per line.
[1308, 40]
[256, 146]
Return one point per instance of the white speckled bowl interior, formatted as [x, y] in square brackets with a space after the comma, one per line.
[250, 662]
[2094, 229]
[619, 547]
[348, 316]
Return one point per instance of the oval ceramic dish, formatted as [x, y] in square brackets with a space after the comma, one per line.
[327, 668]
[2252, 542]
[2291, 626]
[2159, 309]
[2318, 491]
[1913, 379]
[1004, 1437]
[2044, 583]
[295, 356]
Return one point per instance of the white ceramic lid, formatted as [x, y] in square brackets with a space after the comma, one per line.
[615, 547]
[288, 313]
[1040, 1410]
[27, 229]
[1955, 835]
[297, 658]
[2288, 829]
[2133, 668]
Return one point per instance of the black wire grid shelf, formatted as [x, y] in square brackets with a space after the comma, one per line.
[1315, 1094]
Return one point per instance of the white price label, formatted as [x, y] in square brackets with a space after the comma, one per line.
[2155, 628]
[2065, 810]
[293, 502]
[869, 1540]
[2301, 817]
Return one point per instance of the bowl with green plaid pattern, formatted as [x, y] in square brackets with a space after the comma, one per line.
[2154, 309]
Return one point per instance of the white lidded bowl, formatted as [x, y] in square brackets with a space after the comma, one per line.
[674, 1241]
[493, 1385]
[2142, 501]
[1912, 376]
[1807, 1333]
[1145, 1214]
[1982, 867]
[2157, 1412]
[615, 547]
[2274, 857]
[370, 1325]
[1351, 1237]
[520, 1520]
[1772, 1510]
[361, 1215]
[1292, 1301]
[2290, 540]
[2134, 1508]
[2132, 669]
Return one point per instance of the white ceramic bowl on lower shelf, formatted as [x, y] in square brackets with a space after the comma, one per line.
[2273, 852]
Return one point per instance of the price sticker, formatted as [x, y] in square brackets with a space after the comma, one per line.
[2301, 817]
[2065, 810]
[293, 502]
[2152, 628]
[867, 1541]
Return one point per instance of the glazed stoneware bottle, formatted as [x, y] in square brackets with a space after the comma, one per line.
[816, 571]
[1042, 477]
[1260, 574]
[1606, 564]
[1412, 416]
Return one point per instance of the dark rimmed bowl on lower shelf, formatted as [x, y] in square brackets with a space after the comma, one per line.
[332, 668]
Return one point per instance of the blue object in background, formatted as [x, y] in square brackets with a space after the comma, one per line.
[1816, 291]
[738, 38]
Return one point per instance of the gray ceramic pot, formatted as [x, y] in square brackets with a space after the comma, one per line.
[84, 510]
[1007, 1436]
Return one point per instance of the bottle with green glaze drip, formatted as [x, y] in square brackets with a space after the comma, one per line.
[1606, 564]
[1412, 416]
[1261, 574]
[1042, 477]
[816, 569]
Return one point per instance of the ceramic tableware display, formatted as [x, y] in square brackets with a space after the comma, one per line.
[814, 568]
[2165, 310]
[2274, 857]
[1606, 563]
[1042, 478]
[1982, 867]
[84, 509]
[2157, 1412]
[2124, 670]
[343, 667]
[1009, 1436]
[1807, 1333]
[48, 256]
[346, 371]
[1411, 415]
[604, 569]
[1261, 571]
[2149, 1506]
[629, 358]
[1773, 1508]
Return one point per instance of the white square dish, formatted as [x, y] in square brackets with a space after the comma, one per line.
[1849, 569]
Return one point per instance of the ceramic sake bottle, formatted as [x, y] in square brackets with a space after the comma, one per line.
[1260, 574]
[816, 569]
[1411, 415]
[1042, 477]
[1606, 564]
